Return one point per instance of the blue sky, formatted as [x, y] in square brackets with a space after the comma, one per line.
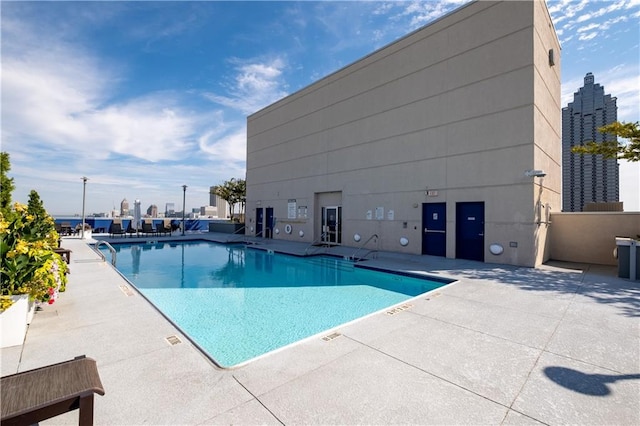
[143, 97]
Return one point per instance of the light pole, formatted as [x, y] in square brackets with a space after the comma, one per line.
[184, 195]
[84, 191]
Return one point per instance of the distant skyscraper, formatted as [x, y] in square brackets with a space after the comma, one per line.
[124, 208]
[221, 205]
[588, 178]
[152, 210]
[169, 210]
[212, 196]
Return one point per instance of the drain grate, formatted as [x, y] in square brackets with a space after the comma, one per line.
[126, 290]
[398, 309]
[331, 337]
[173, 340]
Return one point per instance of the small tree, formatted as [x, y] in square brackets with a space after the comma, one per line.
[615, 149]
[35, 206]
[44, 225]
[240, 190]
[6, 184]
[233, 192]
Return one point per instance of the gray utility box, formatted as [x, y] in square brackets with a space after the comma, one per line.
[628, 258]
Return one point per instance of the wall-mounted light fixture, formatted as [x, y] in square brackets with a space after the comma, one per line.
[552, 59]
[535, 173]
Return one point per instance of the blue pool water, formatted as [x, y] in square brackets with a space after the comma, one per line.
[238, 303]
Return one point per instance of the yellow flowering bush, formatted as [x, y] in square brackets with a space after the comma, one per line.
[28, 263]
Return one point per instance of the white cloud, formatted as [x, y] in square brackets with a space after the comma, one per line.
[576, 14]
[255, 85]
[58, 95]
[590, 36]
[422, 12]
[60, 121]
[231, 146]
[602, 11]
[566, 9]
[588, 28]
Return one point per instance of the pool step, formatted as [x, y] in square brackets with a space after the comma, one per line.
[340, 264]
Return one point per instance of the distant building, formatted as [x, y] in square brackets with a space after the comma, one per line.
[169, 210]
[221, 206]
[588, 178]
[152, 211]
[124, 207]
[209, 211]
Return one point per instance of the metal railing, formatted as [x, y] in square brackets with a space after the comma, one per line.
[111, 249]
[315, 242]
[236, 239]
[374, 236]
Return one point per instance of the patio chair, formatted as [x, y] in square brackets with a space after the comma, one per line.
[65, 227]
[116, 229]
[131, 230]
[163, 229]
[35, 395]
[147, 229]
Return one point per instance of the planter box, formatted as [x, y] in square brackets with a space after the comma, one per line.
[31, 311]
[225, 228]
[13, 322]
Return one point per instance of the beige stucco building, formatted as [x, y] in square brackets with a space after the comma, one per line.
[432, 143]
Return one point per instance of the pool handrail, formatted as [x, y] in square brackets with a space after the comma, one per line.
[111, 249]
[232, 240]
[353, 256]
[316, 241]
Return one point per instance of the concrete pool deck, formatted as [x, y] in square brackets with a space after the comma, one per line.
[559, 344]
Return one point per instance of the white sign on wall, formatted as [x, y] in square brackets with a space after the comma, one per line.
[302, 212]
[390, 215]
[379, 213]
[291, 209]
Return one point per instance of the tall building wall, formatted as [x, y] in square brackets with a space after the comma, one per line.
[454, 113]
[588, 178]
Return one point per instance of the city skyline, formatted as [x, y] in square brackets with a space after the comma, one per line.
[144, 97]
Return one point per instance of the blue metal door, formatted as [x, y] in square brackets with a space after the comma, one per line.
[269, 223]
[259, 221]
[470, 231]
[434, 229]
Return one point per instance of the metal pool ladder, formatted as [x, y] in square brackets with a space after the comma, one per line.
[375, 238]
[111, 249]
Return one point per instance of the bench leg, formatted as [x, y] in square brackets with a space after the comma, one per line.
[86, 411]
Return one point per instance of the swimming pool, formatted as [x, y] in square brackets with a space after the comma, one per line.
[237, 303]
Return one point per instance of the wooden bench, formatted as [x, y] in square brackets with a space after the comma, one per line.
[35, 395]
[65, 253]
